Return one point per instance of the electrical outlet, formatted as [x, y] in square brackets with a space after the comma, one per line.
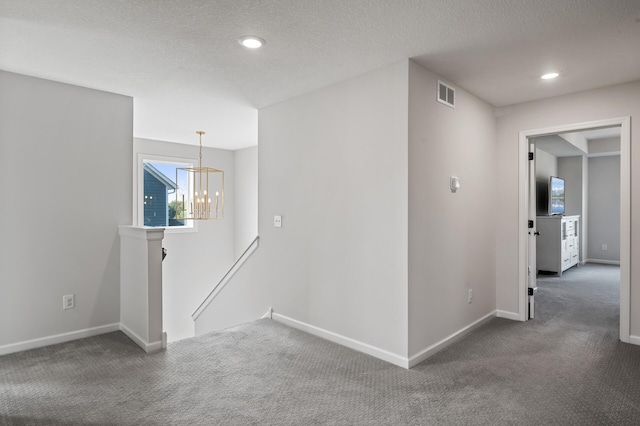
[277, 221]
[470, 295]
[69, 301]
[604, 247]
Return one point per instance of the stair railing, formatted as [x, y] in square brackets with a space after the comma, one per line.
[225, 279]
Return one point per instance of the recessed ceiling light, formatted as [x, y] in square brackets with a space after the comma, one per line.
[549, 76]
[252, 42]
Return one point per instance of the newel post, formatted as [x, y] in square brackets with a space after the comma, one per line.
[141, 286]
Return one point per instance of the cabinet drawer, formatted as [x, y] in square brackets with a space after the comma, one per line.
[569, 244]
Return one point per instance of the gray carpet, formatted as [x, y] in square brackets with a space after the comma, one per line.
[566, 368]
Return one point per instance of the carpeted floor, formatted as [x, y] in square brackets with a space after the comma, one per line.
[567, 368]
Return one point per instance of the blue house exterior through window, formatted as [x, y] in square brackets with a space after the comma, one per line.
[157, 188]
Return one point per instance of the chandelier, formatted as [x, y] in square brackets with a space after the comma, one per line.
[200, 191]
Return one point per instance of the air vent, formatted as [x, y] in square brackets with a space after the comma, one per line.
[446, 94]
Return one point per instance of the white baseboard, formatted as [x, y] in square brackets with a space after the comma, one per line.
[603, 261]
[148, 347]
[634, 340]
[343, 340]
[382, 354]
[508, 315]
[58, 338]
[268, 315]
[437, 347]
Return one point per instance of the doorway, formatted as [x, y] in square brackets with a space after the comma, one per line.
[625, 213]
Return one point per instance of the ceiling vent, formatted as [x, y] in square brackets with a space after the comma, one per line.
[446, 94]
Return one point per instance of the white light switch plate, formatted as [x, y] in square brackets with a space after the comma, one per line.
[454, 183]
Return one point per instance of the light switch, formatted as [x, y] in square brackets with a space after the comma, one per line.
[454, 183]
[277, 221]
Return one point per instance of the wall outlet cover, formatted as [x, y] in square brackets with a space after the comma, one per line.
[68, 301]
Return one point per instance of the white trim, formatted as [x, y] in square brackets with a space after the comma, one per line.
[625, 229]
[634, 340]
[625, 211]
[146, 233]
[523, 217]
[449, 340]
[603, 261]
[58, 338]
[508, 315]
[148, 347]
[604, 154]
[268, 315]
[382, 354]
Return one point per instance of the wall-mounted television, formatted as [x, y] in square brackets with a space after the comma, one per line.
[556, 195]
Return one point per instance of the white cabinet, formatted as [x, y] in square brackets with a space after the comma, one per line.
[557, 246]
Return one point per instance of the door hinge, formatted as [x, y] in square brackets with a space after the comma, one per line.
[530, 224]
[532, 290]
[531, 156]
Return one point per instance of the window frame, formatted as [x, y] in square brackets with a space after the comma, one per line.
[138, 201]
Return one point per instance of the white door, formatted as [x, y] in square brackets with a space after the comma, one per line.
[532, 269]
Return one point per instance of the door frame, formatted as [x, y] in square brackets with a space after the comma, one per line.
[625, 211]
[532, 232]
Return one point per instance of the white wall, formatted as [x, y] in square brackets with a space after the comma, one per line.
[573, 171]
[609, 102]
[195, 261]
[333, 163]
[576, 139]
[374, 247]
[604, 208]
[570, 169]
[604, 146]
[451, 235]
[546, 166]
[246, 198]
[65, 164]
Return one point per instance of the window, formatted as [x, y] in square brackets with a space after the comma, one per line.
[160, 200]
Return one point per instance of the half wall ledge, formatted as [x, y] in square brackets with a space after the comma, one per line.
[141, 286]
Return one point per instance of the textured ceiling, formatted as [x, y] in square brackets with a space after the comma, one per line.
[181, 62]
